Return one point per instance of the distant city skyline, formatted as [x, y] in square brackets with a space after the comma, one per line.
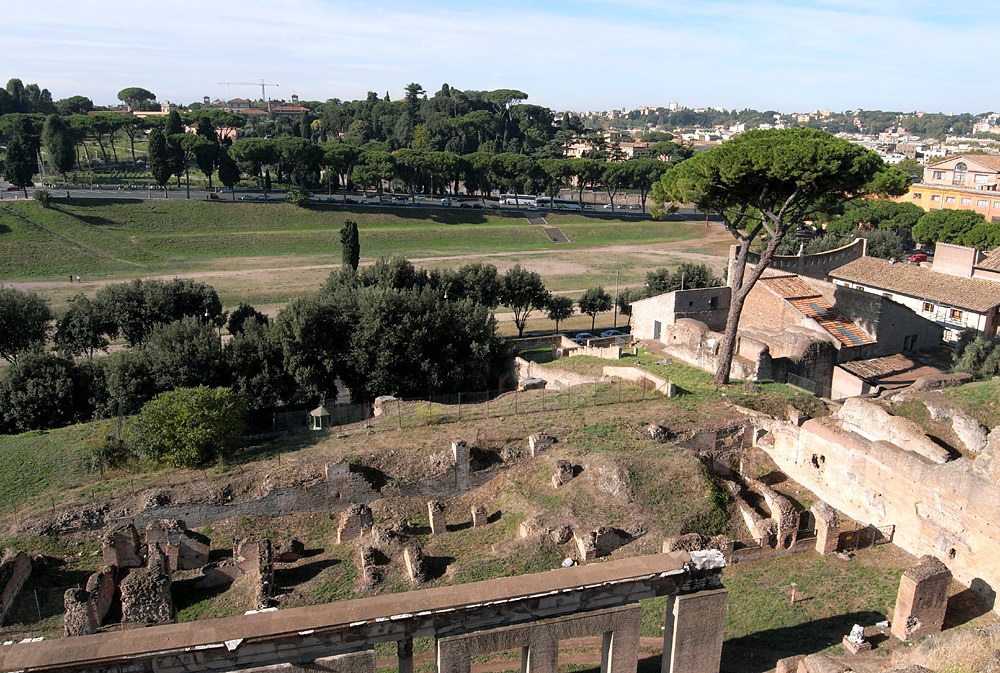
[584, 55]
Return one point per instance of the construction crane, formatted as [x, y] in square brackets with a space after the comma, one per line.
[263, 89]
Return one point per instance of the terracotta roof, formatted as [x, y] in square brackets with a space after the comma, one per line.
[832, 321]
[789, 287]
[991, 262]
[972, 294]
[811, 304]
[989, 160]
[894, 371]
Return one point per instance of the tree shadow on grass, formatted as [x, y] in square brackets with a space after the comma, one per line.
[436, 566]
[294, 576]
[760, 652]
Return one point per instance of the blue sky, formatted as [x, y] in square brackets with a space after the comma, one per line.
[581, 55]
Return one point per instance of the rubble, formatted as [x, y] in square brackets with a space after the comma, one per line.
[479, 516]
[79, 618]
[540, 441]
[146, 599]
[121, 547]
[563, 474]
[355, 521]
[185, 549]
[15, 568]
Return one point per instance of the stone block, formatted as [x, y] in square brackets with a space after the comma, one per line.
[479, 516]
[355, 521]
[435, 514]
[462, 458]
[413, 559]
[563, 473]
[185, 549]
[852, 647]
[101, 588]
[146, 599]
[789, 664]
[335, 471]
[586, 546]
[540, 441]
[693, 639]
[15, 568]
[561, 534]
[79, 618]
[255, 559]
[827, 527]
[922, 599]
[367, 565]
[685, 542]
[121, 548]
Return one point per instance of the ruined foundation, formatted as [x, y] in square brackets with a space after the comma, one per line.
[146, 599]
[121, 547]
[79, 618]
[922, 600]
[479, 516]
[463, 468]
[435, 514]
[355, 521]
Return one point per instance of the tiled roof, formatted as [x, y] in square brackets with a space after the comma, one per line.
[988, 160]
[811, 304]
[893, 371]
[991, 262]
[832, 321]
[972, 294]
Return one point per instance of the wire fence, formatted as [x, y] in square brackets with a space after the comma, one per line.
[397, 413]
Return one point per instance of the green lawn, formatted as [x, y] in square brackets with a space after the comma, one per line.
[107, 238]
[981, 400]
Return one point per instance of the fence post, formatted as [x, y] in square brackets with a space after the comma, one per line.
[543, 398]
[619, 391]
[515, 402]
[38, 605]
[460, 406]
[487, 403]
[399, 413]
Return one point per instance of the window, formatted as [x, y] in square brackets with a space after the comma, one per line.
[966, 202]
[939, 175]
[928, 307]
[917, 196]
[959, 177]
[981, 203]
[996, 204]
[910, 343]
[859, 287]
[955, 314]
[935, 197]
[713, 302]
[949, 199]
[982, 179]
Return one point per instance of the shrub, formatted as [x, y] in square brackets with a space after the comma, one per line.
[298, 197]
[188, 427]
[43, 197]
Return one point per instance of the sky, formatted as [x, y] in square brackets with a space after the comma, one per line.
[786, 55]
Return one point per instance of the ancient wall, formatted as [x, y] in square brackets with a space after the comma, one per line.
[947, 510]
[555, 377]
[816, 266]
[707, 305]
[15, 567]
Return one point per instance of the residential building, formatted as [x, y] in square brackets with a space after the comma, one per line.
[964, 182]
[959, 260]
[953, 302]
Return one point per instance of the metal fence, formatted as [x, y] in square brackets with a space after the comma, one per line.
[398, 413]
[868, 536]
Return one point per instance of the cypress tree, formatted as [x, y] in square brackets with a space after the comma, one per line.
[58, 141]
[19, 161]
[350, 244]
[159, 160]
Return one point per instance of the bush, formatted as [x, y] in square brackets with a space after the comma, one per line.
[188, 427]
[298, 197]
[43, 197]
[39, 391]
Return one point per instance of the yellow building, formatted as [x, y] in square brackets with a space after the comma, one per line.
[966, 182]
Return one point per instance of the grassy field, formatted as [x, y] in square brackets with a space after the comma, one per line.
[107, 238]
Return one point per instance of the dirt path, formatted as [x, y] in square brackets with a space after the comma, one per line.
[672, 249]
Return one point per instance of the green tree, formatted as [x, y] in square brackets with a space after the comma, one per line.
[38, 391]
[190, 145]
[83, 328]
[24, 322]
[134, 128]
[128, 381]
[768, 182]
[159, 161]
[559, 307]
[475, 281]
[188, 427]
[19, 159]
[625, 300]
[350, 245]
[135, 96]
[594, 301]
[185, 353]
[340, 159]
[257, 366]
[641, 174]
[59, 143]
[614, 176]
[229, 171]
[314, 333]
[523, 291]
[242, 315]
[585, 172]
[946, 226]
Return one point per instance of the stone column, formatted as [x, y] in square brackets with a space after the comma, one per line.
[435, 513]
[404, 652]
[479, 517]
[79, 618]
[827, 528]
[463, 470]
[922, 599]
[543, 656]
[697, 629]
[620, 647]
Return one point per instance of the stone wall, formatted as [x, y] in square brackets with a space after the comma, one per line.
[643, 378]
[816, 266]
[146, 598]
[101, 588]
[553, 376]
[947, 510]
[707, 305]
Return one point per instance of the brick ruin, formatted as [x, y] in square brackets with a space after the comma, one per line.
[254, 557]
[435, 517]
[146, 598]
[355, 521]
[15, 568]
[922, 599]
[539, 442]
[185, 549]
[530, 613]
[563, 474]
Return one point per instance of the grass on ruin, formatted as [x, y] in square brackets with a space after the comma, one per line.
[108, 238]
[981, 400]
[695, 386]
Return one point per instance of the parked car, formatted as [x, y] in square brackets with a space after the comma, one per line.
[247, 197]
[493, 206]
[916, 258]
[611, 333]
[213, 196]
[582, 337]
[446, 201]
